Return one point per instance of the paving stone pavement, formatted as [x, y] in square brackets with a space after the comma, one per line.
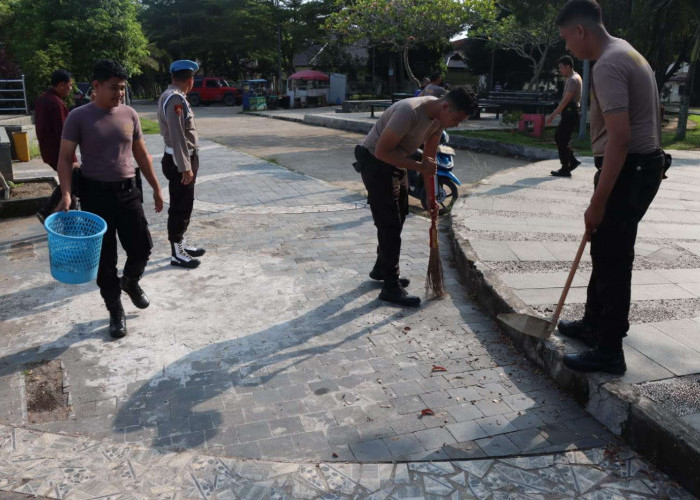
[277, 349]
[525, 226]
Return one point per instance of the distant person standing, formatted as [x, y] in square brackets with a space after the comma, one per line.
[626, 143]
[423, 83]
[434, 88]
[50, 113]
[180, 160]
[109, 134]
[570, 116]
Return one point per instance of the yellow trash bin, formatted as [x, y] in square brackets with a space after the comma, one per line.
[21, 140]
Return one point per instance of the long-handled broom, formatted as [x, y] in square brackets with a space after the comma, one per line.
[434, 281]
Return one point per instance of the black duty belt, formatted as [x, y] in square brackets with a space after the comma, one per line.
[633, 159]
[365, 155]
[124, 185]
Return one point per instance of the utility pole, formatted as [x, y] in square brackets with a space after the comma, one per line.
[584, 99]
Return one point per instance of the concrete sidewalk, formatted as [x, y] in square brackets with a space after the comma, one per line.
[517, 234]
[272, 371]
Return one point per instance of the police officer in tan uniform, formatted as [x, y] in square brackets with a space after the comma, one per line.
[180, 160]
[626, 143]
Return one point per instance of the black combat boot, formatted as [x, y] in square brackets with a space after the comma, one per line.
[562, 172]
[117, 320]
[574, 164]
[134, 291]
[597, 360]
[376, 274]
[392, 291]
[580, 330]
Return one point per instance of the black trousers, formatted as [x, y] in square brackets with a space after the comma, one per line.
[387, 189]
[123, 211]
[612, 246]
[56, 196]
[181, 197]
[569, 120]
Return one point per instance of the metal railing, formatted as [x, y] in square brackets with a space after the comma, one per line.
[13, 96]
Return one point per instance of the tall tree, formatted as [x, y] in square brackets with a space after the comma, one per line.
[64, 34]
[525, 27]
[402, 24]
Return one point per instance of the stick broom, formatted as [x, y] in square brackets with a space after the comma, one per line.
[434, 281]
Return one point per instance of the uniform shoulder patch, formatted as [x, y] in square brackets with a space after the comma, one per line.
[178, 109]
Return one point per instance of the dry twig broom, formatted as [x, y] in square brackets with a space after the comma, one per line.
[434, 281]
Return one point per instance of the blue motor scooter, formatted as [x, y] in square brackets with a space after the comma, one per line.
[447, 192]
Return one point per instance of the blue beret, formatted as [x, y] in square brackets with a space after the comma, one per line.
[183, 64]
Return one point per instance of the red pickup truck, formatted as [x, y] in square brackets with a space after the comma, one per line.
[210, 89]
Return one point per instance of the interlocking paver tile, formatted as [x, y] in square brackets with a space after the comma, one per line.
[285, 336]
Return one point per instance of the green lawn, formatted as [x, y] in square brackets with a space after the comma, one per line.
[149, 126]
[692, 137]
[582, 147]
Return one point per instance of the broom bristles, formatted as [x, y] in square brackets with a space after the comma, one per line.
[434, 280]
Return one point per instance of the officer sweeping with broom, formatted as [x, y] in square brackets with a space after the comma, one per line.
[383, 158]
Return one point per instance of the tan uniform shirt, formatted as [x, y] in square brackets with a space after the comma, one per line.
[408, 119]
[176, 122]
[622, 80]
[574, 84]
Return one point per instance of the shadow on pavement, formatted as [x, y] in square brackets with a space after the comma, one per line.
[240, 366]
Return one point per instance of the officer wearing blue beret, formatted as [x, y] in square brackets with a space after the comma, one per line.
[180, 160]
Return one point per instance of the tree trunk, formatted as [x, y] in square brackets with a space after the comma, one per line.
[685, 99]
[407, 67]
[538, 68]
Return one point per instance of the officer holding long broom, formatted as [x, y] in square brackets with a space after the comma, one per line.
[383, 159]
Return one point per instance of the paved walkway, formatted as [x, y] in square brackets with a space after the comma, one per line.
[276, 350]
[525, 226]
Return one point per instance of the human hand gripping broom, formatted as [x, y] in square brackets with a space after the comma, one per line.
[434, 280]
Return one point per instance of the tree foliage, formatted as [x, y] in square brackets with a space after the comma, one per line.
[524, 27]
[68, 34]
[236, 38]
[402, 24]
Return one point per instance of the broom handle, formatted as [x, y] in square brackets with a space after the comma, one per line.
[572, 272]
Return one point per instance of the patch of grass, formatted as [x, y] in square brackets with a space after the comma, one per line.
[273, 160]
[34, 151]
[149, 126]
[582, 147]
[692, 137]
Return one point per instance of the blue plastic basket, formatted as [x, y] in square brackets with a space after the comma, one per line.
[75, 243]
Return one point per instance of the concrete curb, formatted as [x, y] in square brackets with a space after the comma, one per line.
[502, 148]
[671, 444]
[330, 121]
[22, 207]
[456, 141]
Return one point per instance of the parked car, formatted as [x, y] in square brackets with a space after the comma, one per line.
[210, 89]
[82, 94]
